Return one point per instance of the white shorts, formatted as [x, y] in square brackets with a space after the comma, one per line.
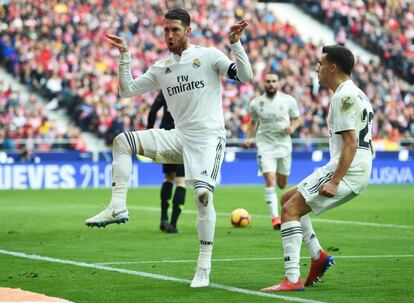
[309, 188]
[269, 164]
[202, 155]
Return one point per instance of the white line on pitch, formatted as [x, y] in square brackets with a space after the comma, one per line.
[154, 276]
[253, 259]
[155, 209]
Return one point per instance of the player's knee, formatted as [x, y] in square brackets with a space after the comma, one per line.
[270, 180]
[290, 211]
[126, 142]
[180, 181]
[170, 177]
[281, 184]
[204, 201]
[202, 196]
[120, 143]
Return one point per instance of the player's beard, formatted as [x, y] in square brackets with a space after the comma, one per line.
[271, 93]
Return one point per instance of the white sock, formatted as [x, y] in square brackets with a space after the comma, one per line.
[292, 238]
[204, 256]
[309, 237]
[123, 146]
[206, 221]
[271, 201]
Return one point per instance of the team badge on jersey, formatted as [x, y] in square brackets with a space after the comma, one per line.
[347, 102]
[196, 63]
[261, 104]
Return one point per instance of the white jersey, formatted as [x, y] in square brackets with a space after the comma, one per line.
[190, 83]
[274, 116]
[350, 109]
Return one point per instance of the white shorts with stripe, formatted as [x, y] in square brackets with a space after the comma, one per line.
[273, 164]
[202, 155]
[309, 188]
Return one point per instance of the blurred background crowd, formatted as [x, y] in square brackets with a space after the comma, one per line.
[58, 50]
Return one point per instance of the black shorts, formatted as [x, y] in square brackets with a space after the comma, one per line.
[178, 169]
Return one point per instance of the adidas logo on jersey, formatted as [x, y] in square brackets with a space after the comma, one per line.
[204, 173]
[167, 70]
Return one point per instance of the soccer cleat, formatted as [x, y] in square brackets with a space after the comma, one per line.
[171, 229]
[164, 225]
[201, 277]
[276, 223]
[318, 268]
[285, 285]
[108, 216]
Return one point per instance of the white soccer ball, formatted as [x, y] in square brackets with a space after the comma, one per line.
[240, 217]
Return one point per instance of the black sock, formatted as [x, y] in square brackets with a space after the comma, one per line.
[166, 192]
[178, 200]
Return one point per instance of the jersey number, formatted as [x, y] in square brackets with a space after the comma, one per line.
[366, 117]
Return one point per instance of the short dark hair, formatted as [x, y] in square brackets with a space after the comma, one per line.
[179, 14]
[341, 56]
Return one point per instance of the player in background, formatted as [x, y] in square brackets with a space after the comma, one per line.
[191, 83]
[172, 172]
[344, 177]
[274, 117]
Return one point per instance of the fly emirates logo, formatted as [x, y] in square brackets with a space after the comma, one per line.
[184, 85]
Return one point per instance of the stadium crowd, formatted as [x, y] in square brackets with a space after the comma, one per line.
[386, 27]
[58, 49]
[25, 126]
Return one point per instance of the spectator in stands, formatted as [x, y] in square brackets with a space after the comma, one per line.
[70, 39]
[27, 155]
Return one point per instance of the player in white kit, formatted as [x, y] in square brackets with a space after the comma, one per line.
[274, 116]
[345, 176]
[191, 84]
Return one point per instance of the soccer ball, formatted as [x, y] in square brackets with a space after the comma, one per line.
[240, 217]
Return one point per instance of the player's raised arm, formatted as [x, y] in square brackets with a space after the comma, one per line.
[118, 42]
[128, 86]
[236, 30]
[241, 70]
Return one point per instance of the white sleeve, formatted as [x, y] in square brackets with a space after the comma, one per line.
[345, 113]
[240, 71]
[294, 109]
[254, 117]
[128, 86]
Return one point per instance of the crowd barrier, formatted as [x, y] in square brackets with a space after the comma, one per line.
[238, 169]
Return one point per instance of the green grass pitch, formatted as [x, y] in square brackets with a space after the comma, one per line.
[372, 238]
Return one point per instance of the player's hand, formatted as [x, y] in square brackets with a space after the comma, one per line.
[289, 130]
[236, 30]
[328, 189]
[118, 42]
[248, 143]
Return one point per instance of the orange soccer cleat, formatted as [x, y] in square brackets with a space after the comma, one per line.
[318, 268]
[285, 285]
[276, 223]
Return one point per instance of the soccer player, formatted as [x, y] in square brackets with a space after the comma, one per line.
[191, 84]
[344, 177]
[173, 172]
[275, 116]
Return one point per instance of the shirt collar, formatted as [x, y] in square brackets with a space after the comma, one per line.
[177, 58]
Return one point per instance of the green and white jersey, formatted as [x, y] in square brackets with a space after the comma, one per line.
[191, 84]
[274, 116]
[350, 109]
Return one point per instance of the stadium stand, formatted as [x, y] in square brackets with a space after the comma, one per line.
[59, 51]
[384, 27]
[25, 125]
